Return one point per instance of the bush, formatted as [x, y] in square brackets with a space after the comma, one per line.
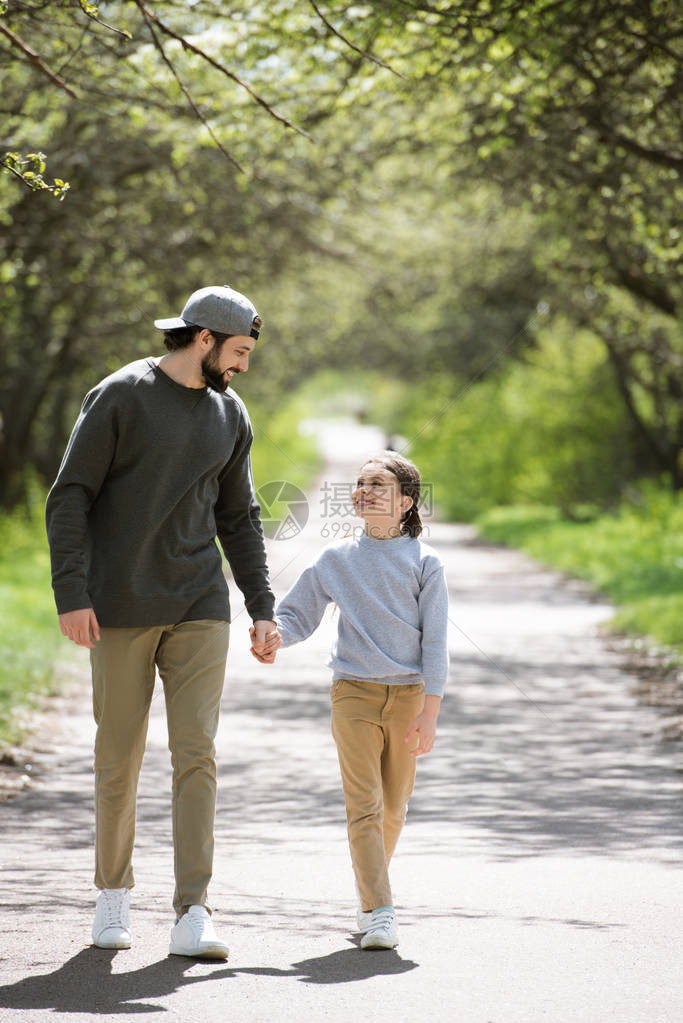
[550, 430]
[280, 451]
[634, 555]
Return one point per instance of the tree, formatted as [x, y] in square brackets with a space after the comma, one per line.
[515, 154]
[150, 193]
[70, 48]
[575, 109]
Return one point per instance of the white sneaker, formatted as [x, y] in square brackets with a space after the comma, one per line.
[111, 928]
[193, 935]
[383, 929]
[363, 920]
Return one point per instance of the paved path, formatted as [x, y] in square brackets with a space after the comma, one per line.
[538, 878]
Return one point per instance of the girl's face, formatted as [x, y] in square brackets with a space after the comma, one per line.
[378, 500]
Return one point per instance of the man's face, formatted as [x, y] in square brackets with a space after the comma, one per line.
[220, 364]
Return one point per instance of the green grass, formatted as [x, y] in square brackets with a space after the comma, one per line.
[634, 557]
[29, 637]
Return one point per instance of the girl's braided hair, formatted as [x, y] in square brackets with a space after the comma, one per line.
[408, 476]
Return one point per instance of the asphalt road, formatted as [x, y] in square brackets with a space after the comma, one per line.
[538, 877]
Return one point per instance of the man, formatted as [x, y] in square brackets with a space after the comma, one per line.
[157, 467]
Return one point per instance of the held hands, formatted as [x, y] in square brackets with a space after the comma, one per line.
[424, 726]
[81, 627]
[265, 641]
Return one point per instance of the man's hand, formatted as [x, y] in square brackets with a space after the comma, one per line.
[265, 641]
[81, 627]
[424, 726]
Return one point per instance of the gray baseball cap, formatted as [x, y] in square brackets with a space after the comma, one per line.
[217, 308]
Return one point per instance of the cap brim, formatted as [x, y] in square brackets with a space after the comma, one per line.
[171, 324]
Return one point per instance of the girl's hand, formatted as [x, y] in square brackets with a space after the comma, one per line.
[424, 726]
[264, 645]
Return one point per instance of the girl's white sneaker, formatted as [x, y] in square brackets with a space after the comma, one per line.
[363, 920]
[382, 931]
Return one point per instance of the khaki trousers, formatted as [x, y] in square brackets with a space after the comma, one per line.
[369, 724]
[191, 660]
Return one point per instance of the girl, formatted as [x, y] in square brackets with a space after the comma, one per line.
[389, 663]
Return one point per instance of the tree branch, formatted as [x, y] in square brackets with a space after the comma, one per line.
[654, 293]
[368, 56]
[36, 60]
[653, 441]
[33, 179]
[150, 17]
[17, 174]
[658, 156]
[157, 43]
[98, 21]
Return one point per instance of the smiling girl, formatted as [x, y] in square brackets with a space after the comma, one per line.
[389, 662]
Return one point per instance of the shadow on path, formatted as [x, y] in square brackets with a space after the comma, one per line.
[87, 984]
[340, 967]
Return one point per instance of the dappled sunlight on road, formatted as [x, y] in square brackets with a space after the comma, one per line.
[549, 811]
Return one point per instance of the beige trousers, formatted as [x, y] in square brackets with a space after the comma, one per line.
[369, 724]
[191, 660]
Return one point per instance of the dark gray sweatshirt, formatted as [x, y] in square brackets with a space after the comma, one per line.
[153, 472]
[392, 601]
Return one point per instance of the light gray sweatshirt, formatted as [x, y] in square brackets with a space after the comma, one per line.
[392, 602]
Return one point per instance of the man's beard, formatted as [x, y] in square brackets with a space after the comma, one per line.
[214, 378]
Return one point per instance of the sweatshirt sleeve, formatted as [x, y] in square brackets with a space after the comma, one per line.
[82, 473]
[433, 611]
[240, 531]
[300, 611]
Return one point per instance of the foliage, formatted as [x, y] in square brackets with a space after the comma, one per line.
[373, 397]
[575, 111]
[171, 57]
[30, 169]
[515, 158]
[634, 555]
[30, 638]
[548, 429]
[280, 451]
[467, 211]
